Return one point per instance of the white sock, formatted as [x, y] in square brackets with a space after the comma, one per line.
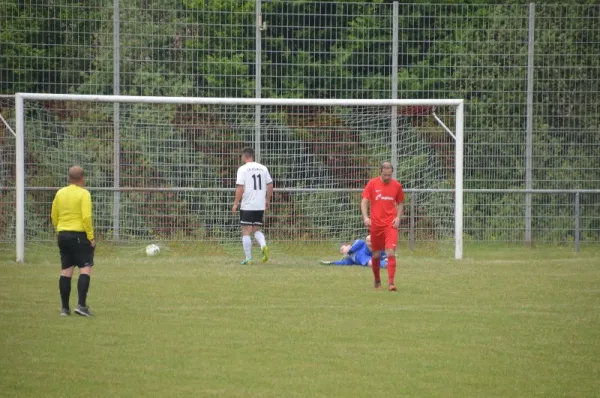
[260, 238]
[247, 243]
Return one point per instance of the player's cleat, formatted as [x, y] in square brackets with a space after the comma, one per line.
[377, 285]
[247, 261]
[324, 262]
[83, 311]
[265, 254]
[65, 312]
[392, 287]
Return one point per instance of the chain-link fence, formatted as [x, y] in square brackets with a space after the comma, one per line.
[529, 75]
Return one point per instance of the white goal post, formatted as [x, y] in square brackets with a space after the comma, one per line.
[392, 106]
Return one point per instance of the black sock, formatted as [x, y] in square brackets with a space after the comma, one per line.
[83, 284]
[64, 286]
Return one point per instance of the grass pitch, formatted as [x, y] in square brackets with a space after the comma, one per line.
[192, 322]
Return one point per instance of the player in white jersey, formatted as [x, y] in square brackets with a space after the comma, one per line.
[254, 187]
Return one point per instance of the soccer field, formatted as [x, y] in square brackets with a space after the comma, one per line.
[191, 322]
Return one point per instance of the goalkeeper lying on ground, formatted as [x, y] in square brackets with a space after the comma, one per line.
[358, 253]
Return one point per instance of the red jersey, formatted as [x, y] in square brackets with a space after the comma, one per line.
[383, 198]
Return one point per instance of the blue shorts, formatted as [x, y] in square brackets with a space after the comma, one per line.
[361, 259]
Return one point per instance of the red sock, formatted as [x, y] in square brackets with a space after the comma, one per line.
[391, 266]
[375, 266]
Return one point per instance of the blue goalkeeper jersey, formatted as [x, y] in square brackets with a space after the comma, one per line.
[359, 254]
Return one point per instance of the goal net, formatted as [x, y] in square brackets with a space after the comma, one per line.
[162, 168]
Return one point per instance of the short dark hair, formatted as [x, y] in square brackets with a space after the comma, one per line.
[248, 151]
[386, 165]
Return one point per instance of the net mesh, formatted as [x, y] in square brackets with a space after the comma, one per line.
[312, 49]
[178, 166]
[7, 168]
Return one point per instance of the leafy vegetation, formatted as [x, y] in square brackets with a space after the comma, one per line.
[313, 50]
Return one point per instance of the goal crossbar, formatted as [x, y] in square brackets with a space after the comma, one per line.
[20, 98]
[238, 101]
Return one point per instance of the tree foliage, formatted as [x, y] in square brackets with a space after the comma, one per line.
[449, 49]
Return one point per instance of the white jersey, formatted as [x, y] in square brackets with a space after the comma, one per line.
[254, 177]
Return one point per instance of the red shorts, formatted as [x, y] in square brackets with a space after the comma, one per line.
[384, 238]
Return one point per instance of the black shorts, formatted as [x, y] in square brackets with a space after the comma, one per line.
[251, 217]
[75, 250]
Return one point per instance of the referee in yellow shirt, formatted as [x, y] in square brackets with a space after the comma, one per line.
[72, 220]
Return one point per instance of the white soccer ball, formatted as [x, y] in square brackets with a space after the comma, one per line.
[152, 249]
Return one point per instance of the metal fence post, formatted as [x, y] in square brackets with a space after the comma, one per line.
[116, 121]
[258, 78]
[529, 124]
[577, 222]
[413, 199]
[394, 110]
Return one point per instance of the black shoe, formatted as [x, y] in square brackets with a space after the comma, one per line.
[83, 311]
[65, 312]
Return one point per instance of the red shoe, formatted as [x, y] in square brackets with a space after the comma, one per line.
[392, 287]
[377, 285]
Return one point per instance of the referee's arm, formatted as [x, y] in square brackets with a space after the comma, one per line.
[54, 214]
[86, 215]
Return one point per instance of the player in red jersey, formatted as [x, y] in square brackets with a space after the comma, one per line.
[385, 196]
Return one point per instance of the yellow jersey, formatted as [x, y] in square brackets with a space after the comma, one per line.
[72, 210]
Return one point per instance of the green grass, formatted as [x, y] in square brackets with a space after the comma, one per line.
[192, 322]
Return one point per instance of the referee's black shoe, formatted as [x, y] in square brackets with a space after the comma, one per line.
[83, 311]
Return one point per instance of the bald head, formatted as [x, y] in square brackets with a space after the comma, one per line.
[387, 170]
[75, 175]
[387, 165]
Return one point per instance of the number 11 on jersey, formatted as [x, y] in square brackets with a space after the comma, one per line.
[256, 177]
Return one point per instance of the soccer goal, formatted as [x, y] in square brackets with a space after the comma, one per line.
[164, 167]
